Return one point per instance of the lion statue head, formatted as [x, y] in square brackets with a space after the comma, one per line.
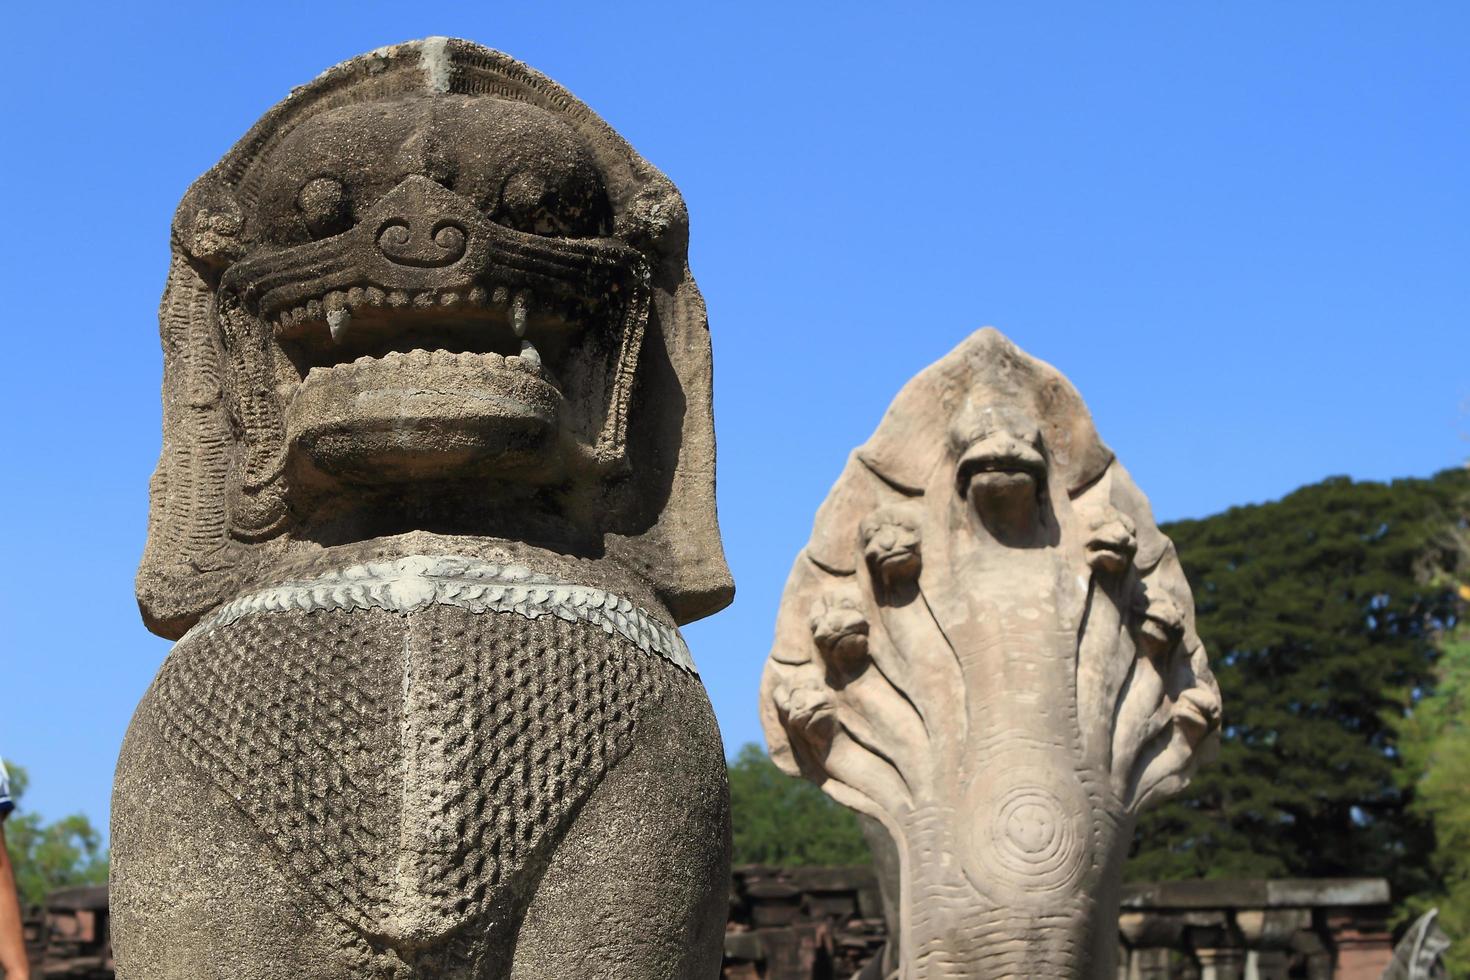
[431, 292]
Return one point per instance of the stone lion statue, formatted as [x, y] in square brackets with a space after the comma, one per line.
[436, 491]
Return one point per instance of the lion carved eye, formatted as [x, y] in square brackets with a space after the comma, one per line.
[533, 204]
[323, 204]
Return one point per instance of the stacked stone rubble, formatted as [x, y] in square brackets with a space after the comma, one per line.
[827, 924]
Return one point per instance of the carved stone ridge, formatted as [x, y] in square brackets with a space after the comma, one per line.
[411, 583]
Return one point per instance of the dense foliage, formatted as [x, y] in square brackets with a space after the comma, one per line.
[1436, 746]
[785, 821]
[1321, 612]
[48, 856]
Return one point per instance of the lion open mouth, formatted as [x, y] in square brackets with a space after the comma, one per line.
[470, 320]
[478, 333]
[393, 379]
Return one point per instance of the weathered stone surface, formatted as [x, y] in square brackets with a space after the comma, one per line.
[988, 647]
[436, 491]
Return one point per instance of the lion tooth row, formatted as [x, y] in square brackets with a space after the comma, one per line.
[466, 360]
[337, 307]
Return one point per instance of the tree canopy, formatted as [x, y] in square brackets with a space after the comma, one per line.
[785, 821]
[1435, 739]
[48, 856]
[1321, 613]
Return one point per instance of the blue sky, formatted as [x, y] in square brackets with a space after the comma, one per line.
[1242, 230]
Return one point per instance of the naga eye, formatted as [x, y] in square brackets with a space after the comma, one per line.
[323, 206]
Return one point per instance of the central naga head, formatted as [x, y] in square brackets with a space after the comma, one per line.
[432, 292]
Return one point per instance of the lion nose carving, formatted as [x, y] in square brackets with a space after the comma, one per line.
[414, 242]
[422, 225]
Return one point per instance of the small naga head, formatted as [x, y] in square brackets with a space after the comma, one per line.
[808, 709]
[1112, 542]
[1159, 623]
[431, 290]
[1197, 713]
[840, 631]
[890, 537]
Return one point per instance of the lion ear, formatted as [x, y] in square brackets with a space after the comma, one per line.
[209, 225]
[656, 220]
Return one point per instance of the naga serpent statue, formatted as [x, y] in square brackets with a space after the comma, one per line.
[436, 492]
[987, 650]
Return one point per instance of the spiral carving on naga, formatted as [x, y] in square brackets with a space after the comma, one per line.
[988, 648]
[1031, 834]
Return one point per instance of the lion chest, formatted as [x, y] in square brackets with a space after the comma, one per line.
[408, 767]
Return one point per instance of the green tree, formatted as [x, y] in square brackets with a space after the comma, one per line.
[1435, 740]
[785, 821]
[1320, 614]
[48, 856]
